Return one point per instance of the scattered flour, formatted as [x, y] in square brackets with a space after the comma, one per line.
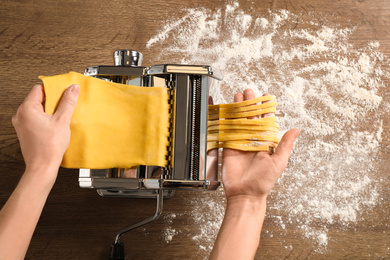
[169, 232]
[209, 224]
[325, 87]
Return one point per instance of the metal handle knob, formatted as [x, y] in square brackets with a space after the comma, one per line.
[127, 58]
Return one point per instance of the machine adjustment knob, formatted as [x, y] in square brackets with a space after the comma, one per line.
[127, 58]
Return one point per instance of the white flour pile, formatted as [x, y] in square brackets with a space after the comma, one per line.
[326, 87]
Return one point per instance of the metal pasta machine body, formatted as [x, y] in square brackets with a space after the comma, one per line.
[189, 166]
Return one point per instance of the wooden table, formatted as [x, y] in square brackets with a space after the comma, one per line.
[53, 37]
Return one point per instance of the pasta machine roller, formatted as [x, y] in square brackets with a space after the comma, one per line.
[188, 167]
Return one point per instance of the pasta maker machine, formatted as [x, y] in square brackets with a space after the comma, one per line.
[189, 165]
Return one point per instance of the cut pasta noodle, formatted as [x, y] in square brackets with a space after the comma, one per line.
[242, 109]
[244, 103]
[257, 112]
[230, 127]
[244, 121]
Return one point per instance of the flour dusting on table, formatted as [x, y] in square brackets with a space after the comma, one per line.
[325, 86]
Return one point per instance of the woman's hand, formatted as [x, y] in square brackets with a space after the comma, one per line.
[251, 175]
[44, 138]
[248, 177]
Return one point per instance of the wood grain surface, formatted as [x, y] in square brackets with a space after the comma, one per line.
[49, 37]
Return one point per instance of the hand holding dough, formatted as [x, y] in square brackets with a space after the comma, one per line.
[113, 125]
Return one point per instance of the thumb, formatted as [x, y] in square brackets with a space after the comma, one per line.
[286, 144]
[67, 104]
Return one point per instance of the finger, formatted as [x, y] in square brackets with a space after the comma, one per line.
[285, 146]
[211, 100]
[249, 94]
[67, 104]
[213, 152]
[271, 150]
[238, 97]
[226, 151]
[33, 100]
[267, 114]
[35, 96]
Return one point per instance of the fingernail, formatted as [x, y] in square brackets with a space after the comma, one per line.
[75, 89]
[296, 132]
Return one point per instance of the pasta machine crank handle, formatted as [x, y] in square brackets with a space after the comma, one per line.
[117, 248]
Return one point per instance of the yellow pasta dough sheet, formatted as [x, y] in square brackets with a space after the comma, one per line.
[113, 125]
